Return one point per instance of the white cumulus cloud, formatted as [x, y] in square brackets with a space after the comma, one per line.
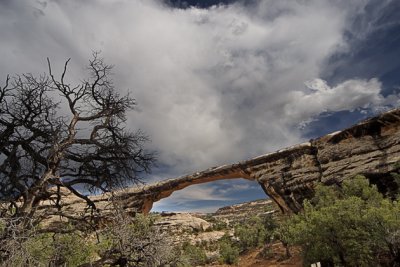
[349, 95]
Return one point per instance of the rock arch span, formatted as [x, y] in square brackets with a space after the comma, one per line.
[287, 176]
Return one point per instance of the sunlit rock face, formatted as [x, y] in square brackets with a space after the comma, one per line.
[288, 176]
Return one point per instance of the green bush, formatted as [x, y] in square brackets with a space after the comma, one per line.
[135, 240]
[219, 225]
[266, 253]
[396, 178]
[72, 250]
[45, 249]
[2, 226]
[193, 255]
[251, 234]
[228, 251]
[60, 249]
[270, 225]
[41, 248]
[348, 226]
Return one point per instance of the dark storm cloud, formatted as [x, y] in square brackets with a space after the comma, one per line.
[197, 3]
[373, 37]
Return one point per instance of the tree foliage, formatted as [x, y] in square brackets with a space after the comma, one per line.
[33, 247]
[255, 232]
[192, 255]
[351, 225]
[228, 250]
[251, 234]
[56, 134]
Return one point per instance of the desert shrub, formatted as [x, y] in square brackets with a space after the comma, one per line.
[396, 178]
[135, 242]
[212, 245]
[219, 225]
[250, 234]
[228, 251]
[255, 232]
[60, 249]
[192, 255]
[209, 218]
[348, 226]
[270, 226]
[283, 233]
[72, 250]
[266, 253]
[2, 226]
[40, 248]
[48, 249]
[14, 252]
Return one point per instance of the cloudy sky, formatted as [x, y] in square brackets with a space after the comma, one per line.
[220, 81]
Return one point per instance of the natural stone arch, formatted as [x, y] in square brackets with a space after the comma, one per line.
[142, 199]
[287, 176]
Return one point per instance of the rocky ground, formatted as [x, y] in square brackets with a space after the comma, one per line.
[201, 229]
[205, 229]
[253, 259]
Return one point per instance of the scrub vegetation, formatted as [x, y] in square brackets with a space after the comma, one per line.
[350, 225]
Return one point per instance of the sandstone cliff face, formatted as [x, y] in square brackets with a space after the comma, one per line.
[371, 147]
[288, 176]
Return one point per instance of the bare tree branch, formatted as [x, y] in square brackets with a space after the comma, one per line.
[41, 146]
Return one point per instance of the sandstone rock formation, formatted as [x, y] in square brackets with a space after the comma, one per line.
[241, 212]
[288, 176]
[185, 221]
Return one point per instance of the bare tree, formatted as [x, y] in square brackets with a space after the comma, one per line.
[43, 146]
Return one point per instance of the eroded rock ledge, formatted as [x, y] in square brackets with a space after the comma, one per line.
[288, 176]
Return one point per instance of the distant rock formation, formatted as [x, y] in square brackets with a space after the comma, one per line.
[239, 213]
[288, 176]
